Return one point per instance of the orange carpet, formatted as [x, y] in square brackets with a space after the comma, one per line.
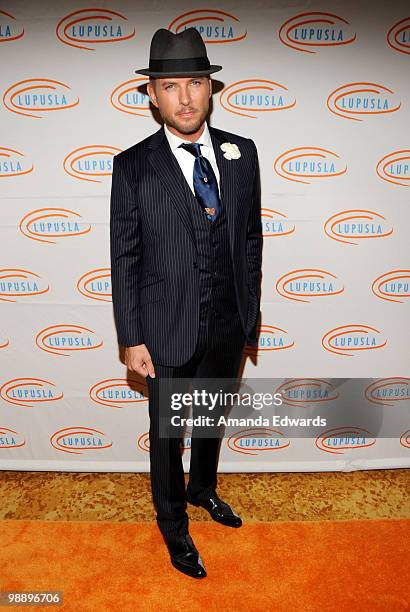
[299, 566]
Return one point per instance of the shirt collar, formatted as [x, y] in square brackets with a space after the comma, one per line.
[175, 141]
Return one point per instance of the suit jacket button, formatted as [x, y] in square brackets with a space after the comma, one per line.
[194, 264]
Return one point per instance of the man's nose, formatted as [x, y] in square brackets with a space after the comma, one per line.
[184, 96]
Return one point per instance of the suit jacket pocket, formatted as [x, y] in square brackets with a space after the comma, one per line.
[152, 291]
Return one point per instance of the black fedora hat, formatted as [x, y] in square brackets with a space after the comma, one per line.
[182, 54]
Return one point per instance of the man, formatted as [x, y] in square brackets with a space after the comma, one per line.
[186, 254]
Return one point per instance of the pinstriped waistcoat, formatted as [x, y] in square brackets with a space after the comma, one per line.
[216, 276]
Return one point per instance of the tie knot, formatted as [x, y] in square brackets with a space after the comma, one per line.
[193, 147]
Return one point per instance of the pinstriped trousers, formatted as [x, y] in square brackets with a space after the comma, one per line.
[218, 354]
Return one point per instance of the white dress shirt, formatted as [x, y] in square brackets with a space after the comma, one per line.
[186, 160]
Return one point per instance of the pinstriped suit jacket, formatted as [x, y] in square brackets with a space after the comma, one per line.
[154, 272]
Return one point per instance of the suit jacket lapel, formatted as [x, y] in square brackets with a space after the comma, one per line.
[228, 183]
[169, 172]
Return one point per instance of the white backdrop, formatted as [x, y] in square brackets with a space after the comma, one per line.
[323, 89]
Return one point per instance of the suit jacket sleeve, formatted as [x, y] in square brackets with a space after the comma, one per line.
[254, 244]
[125, 249]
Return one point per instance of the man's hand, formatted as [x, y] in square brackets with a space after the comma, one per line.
[138, 359]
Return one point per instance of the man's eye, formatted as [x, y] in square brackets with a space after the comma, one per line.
[168, 86]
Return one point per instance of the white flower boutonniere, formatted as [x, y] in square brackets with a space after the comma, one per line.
[231, 151]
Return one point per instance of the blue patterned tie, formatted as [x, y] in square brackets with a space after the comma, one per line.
[205, 183]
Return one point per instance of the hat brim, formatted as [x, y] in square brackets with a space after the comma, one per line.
[147, 72]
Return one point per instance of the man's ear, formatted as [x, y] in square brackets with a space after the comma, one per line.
[210, 87]
[151, 93]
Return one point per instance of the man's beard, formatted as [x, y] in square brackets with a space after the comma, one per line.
[186, 128]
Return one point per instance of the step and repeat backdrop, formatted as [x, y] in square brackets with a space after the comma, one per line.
[323, 89]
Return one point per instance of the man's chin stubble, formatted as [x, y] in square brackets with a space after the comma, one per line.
[188, 129]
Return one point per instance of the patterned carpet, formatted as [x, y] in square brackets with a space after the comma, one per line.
[309, 496]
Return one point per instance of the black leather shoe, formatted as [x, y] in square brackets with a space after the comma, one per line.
[185, 557]
[219, 510]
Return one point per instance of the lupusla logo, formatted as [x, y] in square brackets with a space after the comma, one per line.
[256, 440]
[356, 224]
[347, 340]
[250, 97]
[275, 223]
[356, 101]
[96, 284]
[28, 392]
[90, 27]
[304, 283]
[388, 391]
[303, 164]
[310, 32]
[13, 163]
[395, 168]
[67, 339]
[398, 37]
[90, 162]
[9, 29]
[128, 99]
[10, 438]
[119, 392]
[271, 338]
[215, 26]
[37, 97]
[20, 283]
[405, 439]
[393, 286]
[301, 392]
[42, 224]
[341, 439]
[78, 440]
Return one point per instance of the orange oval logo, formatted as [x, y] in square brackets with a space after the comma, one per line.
[257, 440]
[405, 439]
[341, 439]
[96, 284]
[79, 440]
[395, 168]
[143, 442]
[301, 392]
[119, 392]
[29, 391]
[303, 283]
[398, 37]
[392, 286]
[311, 32]
[275, 223]
[42, 224]
[388, 391]
[10, 438]
[356, 101]
[37, 97]
[215, 26]
[250, 97]
[67, 339]
[356, 224]
[304, 164]
[128, 99]
[90, 27]
[20, 283]
[9, 28]
[271, 338]
[13, 163]
[349, 339]
[88, 163]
